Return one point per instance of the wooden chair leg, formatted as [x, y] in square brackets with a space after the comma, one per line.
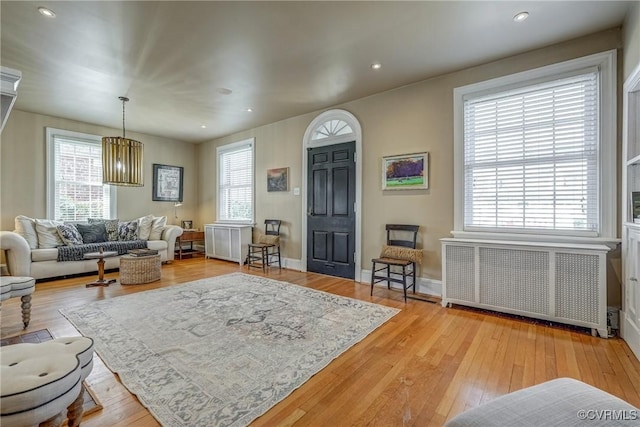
[26, 310]
[373, 273]
[279, 261]
[404, 282]
[388, 276]
[75, 410]
[414, 277]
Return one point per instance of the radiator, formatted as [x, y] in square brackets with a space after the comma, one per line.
[563, 283]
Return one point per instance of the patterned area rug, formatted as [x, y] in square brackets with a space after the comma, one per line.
[222, 351]
[90, 403]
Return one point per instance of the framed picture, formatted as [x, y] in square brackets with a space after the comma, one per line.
[278, 179]
[635, 206]
[187, 225]
[167, 183]
[405, 172]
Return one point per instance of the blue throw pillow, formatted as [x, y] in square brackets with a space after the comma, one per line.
[110, 224]
[128, 230]
[93, 233]
[69, 234]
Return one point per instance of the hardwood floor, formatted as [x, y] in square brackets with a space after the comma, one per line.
[422, 367]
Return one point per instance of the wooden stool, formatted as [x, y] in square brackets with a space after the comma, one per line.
[40, 381]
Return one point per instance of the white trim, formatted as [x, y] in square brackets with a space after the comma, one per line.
[50, 133]
[251, 142]
[292, 264]
[307, 142]
[606, 61]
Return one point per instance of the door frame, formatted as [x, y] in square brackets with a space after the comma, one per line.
[307, 142]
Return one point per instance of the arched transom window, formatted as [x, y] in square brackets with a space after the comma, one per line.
[331, 128]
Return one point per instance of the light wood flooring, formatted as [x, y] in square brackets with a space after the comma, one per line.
[422, 367]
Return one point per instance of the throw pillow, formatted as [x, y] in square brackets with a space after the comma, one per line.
[157, 226]
[26, 227]
[144, 227]
[111, 225]
[47, 230]
[128, 230]
[93, 233]
[69, 234]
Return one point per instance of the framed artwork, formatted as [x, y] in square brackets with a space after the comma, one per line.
[405, 172]
[187, 225]
[278, 179]
[167, 183]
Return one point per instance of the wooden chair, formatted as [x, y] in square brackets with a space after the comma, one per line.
[267, 247]
[399, 258]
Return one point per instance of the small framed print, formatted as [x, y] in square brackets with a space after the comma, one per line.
[405, 172]
[187, 225]
[278, 179]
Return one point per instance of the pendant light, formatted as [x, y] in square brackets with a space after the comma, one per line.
[122, 158]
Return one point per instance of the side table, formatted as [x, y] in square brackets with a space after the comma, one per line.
[188, 237]
[100, 256]
[136, 270]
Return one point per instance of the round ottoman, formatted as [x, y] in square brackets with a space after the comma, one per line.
[40, 380]
[136, 270]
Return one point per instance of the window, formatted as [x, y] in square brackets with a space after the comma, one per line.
[74, 178]
[533, 149]
[235, 181]
[330, 128]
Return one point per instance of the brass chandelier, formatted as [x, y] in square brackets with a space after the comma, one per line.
[122, 158]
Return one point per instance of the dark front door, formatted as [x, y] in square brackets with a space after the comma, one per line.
[331, 221]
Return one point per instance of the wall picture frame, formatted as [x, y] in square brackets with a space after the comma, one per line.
[406, 172]
[278, 179]
[167, 183]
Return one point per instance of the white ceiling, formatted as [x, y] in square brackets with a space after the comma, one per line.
[176, 59]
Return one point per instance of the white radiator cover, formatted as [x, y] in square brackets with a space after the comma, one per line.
[564, 283]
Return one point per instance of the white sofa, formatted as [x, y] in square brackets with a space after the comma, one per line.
[42, 263]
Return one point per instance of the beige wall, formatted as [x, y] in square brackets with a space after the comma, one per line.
[413, 118]
[23, 169]
[631, 31]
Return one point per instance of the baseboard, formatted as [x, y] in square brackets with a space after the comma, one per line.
[425, 286]
[292, 264]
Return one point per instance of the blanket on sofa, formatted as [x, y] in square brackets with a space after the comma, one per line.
[76, 252]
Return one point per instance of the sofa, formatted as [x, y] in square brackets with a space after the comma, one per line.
[42, 248]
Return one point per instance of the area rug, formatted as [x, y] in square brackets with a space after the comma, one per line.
[222, 351]
[90, 404]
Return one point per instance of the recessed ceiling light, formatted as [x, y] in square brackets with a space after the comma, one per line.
[376, 65]
[249, 110]
[519, 17]
[224, 91]
[203, 126]
[47, 12]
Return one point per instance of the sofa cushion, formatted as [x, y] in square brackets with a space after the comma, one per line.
[93, 233]
[26, 227]
[144, 227]
[47, 230]
[159, 222]
[111, 225]
[70, 234]
[128, 230]
[44, 255]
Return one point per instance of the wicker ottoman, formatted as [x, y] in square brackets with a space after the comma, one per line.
[135, 270]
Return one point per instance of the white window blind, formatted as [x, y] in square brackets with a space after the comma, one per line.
[75, 182]
[235, 181]
[531, 158]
